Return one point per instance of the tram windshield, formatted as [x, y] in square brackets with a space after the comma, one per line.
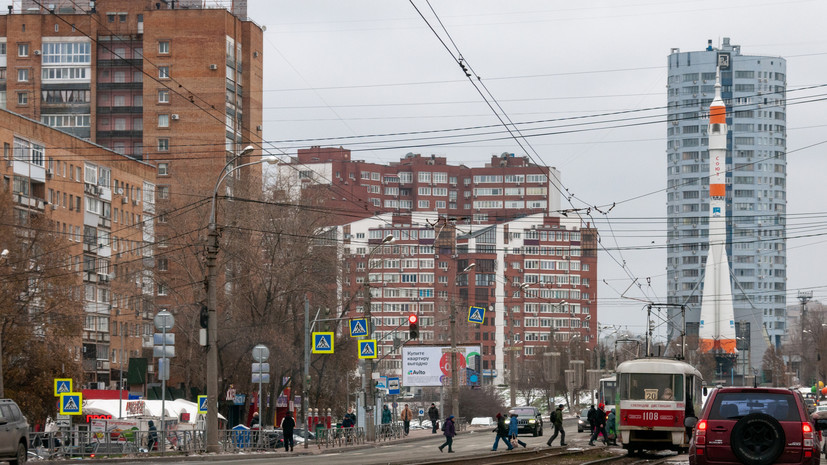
[651, 386]
[609, 391]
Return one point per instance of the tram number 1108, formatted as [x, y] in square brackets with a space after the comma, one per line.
[650, 416]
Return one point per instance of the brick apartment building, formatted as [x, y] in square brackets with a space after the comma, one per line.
[103, 204]
[177, 84]
[536, 275]
[505, 188]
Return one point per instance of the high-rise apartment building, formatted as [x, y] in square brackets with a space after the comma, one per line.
[753, 89]
[176, 84]
[102, 204]
[506, 187]
[536, 277]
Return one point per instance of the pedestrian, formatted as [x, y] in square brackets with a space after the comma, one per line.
[514, 430]
[557, 421]
[349, 420]
[599, 425]
[287, 426]
[386, 415]
[449, 432]
[407, 416]
[254, 423]
[433, 415]
[502, 433]
[611, 428]
[152, 440]
[590, 417]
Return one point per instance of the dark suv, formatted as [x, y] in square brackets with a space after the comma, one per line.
[13, 432]
[529, 420]
[758, 426]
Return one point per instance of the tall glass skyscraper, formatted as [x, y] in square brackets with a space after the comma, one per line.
[754, 92]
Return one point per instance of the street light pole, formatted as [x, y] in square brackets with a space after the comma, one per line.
[370, 430]
[454, 371]
[212, 302]
[512, 356]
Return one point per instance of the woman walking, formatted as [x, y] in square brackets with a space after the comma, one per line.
[449, 432]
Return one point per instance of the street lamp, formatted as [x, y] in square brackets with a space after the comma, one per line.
[454, 374]
[212, 322]
[369, 401]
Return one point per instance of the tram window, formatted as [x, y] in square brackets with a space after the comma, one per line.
[651, 386]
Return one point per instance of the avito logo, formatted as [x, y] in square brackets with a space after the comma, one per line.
[416, 372]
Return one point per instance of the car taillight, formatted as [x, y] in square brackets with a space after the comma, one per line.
[700, 433]
[807, 432]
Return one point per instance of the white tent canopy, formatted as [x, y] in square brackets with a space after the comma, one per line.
[150, 408]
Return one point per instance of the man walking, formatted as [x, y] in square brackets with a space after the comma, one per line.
[590, 417]
[449, 432]
[557, 421]
[502, 433]
[599, 425]
[287, 425]
[433, 415]
[407, 416]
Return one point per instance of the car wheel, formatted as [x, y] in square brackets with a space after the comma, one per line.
[579, 429]
[534, 433]
[757, 439]
[21, 456]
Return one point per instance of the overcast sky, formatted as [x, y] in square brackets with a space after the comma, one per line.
[337, 69]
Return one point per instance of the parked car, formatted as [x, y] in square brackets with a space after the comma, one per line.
[758, 426]
[583, 421]
[13, 433]
[529, 420]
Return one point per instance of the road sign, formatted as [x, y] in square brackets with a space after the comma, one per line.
[70, 403]
[202, 404]
[322, 343]
[62, 386]
[262, 377]
[382, 383]
[476, 315]
[358, 327]
[367, 348]
[393, 386]
[421, 412]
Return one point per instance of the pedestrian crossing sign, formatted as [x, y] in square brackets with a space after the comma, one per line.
[62, 386]
[202, 404]
[358, 327]
[367, 348]
[323, 343]
[70, 403]
[476, 315]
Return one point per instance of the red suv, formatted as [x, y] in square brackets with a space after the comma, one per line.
[758, 426]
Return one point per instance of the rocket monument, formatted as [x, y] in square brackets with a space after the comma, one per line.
[717, 325]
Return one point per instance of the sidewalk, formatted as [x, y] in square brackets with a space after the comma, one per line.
[299, 450]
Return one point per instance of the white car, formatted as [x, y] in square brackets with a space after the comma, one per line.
[483, 421]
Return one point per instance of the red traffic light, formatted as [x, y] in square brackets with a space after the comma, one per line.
[412, 319]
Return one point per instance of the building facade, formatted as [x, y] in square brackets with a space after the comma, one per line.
[103, 204]
[753, 90]
[505, 188]
[536, 277]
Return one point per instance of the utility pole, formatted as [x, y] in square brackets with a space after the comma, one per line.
[212, 345]
[803, 297]
[370, 426]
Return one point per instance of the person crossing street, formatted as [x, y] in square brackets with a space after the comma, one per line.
[557, 421]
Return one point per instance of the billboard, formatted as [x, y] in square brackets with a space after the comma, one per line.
[431, 365]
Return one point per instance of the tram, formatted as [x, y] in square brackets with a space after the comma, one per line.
[607, 392]
[654, 396]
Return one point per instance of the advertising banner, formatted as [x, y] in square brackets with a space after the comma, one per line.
[431, 365]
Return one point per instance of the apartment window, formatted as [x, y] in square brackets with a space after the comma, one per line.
[163, 121]
[163, 145]
[163, 169]
[110, 17]
[163, 192]
[163, 72]
[163, 264]
[22, 50]
[163, 47]
[122, 17]
[22, 98]
[163, 96]
[23, 75]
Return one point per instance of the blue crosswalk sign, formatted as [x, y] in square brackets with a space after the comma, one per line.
[476, 315]
[70, 403]
[358, 327]
[202, 404]
[367, 348]
[62, 386]
[323, 343]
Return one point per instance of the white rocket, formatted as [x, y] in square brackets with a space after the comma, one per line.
[717, 325]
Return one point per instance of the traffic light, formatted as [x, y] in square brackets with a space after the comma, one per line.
[413, 320]
[204, 317]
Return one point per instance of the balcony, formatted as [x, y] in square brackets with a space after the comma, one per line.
[31, 202]
[120, 85]
[119, 110]
[120, 134]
